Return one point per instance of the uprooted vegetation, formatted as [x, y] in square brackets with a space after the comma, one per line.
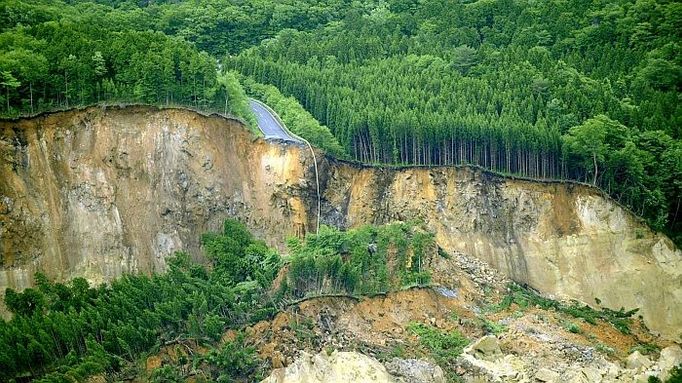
[525, 297]
[363, 261]
[67, 332]
[249, 311]
[443, 345]
[77, 330]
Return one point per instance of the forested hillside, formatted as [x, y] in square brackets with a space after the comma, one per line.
[581, 90]
[560, 89]
[68, 332]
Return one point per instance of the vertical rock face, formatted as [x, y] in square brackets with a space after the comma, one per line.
[98, 193]
[566, 240]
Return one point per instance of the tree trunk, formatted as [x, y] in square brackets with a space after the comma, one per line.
[225, 102]
[66, 89]
[594, 160]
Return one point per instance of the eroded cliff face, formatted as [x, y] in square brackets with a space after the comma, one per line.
[566, 240]
[98, 193]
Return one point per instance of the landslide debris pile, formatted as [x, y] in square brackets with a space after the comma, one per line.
[476, 328]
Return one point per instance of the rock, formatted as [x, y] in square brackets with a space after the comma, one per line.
[592, 374]
[506, 369]
[671, 357]
[643, 377]
[486, 348]
[337, 367]
[547, 375]
[611, 369]
[637, 360]
[415, 371]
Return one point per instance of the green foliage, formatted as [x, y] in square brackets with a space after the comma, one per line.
[295, 117]
[167, 374]
[303, 328]
[234, 360]
[81, 54]
[236, 101]
[366, 260]
[675, 375]
[524, 298]
[237, 257]
[645, 348]
[491, 327]
[444, 346]
[588, 142]
[69, 332]
[572, 327]
[605, 349]
[514, 86]
[499, 85]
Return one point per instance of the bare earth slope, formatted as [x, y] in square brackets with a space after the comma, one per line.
[97, 193]
[562, 239]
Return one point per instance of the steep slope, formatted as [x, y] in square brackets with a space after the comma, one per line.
[567, 240]
[97, 192]
[101, 192]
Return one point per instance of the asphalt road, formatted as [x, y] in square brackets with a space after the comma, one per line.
[268, 124]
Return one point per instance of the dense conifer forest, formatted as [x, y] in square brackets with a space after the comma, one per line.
[578, 90]
[561, 89]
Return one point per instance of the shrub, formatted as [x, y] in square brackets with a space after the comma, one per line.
[367, 260]
[525, 297]
[443, 345]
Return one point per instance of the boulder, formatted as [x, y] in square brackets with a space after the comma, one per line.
[547, 375]
[337, 367]
[509, 368]
[636, 361]
[671, 357]
[415, 371]
[486, 348]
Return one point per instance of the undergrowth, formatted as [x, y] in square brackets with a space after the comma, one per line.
[364, 261]
[444, 346]
[524, 298]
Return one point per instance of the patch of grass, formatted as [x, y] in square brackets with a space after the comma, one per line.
[610, 351]
[303, 329]
[398, 351]
[491, 327]
[167, 374]
[571, 327]
[645, 348]
[444, 346]
[524, 298]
